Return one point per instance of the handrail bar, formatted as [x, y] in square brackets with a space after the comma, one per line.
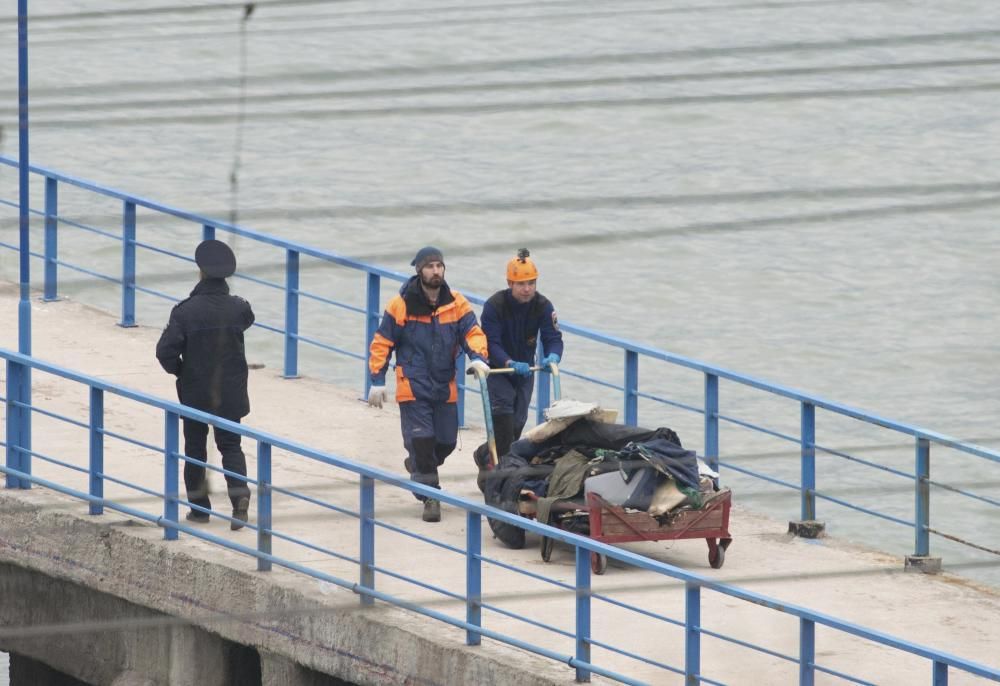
[569, 538]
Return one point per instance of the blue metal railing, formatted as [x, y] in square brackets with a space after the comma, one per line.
[696, 666]
[808, 489]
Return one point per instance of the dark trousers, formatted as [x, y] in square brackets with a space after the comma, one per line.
[430, 432]
[233, 460]
[510, 397]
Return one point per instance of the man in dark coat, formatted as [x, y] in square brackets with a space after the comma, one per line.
[202, 346]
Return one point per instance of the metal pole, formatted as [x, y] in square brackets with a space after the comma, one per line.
[24, 306]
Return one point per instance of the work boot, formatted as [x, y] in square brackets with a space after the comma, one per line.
[240, 513]
[432, 510]
[197, 517]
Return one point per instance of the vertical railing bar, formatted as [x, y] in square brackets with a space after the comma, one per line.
[807, 652]
[171, 467]
[372, 311]
[473, 576]
[712, 421]
[292, 315]
[96, 449]
[128, 265]
[631, 388]
[922, 485]
[692, 633]
[51, 291]
[543, 395]
[582, 612]
[367, 552]
[460, 378]
[264, 511]
[808, 446]
[940, 674]
[14, 412]
[207, 232]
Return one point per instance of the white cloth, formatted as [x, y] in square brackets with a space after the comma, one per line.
[479, 366]
[376, 396]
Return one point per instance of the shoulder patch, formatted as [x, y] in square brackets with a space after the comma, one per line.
[555, 321]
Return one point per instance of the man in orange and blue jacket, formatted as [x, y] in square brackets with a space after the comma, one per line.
[428, 325]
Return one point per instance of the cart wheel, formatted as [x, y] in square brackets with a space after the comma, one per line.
[598, 563]
[547, 545]
[717, 552]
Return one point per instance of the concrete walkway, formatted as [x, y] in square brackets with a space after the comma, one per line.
[846, 582]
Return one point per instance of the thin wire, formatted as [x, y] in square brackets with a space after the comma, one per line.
[313, 26]
[495, 86]
[344, 114]
[267, 5]
[234, 183]
[576, 61]
[579, 203]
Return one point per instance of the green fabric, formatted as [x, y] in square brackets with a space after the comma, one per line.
[565, 482]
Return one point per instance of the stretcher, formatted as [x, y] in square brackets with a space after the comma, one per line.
[600, 520]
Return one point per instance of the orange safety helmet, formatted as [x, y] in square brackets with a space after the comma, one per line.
[521, 268]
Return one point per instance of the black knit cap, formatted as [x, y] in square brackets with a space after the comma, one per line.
[215, 259]
[427, 254]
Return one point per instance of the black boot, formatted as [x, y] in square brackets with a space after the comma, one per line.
[503, 433]
[424, 463]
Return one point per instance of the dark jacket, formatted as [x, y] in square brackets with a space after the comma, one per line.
[203, 346]
[426, 340]
[512, 328]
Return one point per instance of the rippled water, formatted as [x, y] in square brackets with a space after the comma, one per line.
[802, 191]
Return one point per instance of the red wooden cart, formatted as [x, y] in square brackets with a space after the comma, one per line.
[607, 523]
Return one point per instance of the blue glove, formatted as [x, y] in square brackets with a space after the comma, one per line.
[520, 368]
[550, 359]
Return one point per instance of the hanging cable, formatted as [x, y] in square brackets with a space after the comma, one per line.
[241, 103]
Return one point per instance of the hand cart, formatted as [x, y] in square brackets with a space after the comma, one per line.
[602, 521]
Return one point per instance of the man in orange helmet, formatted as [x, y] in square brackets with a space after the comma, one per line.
[513, 319]
[427, 325]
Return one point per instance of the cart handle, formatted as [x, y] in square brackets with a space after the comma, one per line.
[506, 370]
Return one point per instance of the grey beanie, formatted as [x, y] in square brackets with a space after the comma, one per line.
[427, 254]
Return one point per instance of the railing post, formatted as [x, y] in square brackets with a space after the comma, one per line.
[712, 421]
[807, 652]
[14, 421]
[582, 612]
[292, 315]
[940, 677]
[96, 449]
[460, 388]
[692, 633]
[473, 576]
[372, 312]
[923, 498]
[264, 512]
[207, 232]
[808, 445]
[128, 265]
[171, 464]
[543, 397]
[367, 553]
[631, 388]
[51, 291]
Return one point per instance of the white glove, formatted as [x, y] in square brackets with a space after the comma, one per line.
[376, 396]
[479, 367]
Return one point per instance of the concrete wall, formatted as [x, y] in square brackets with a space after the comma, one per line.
[180, 613]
